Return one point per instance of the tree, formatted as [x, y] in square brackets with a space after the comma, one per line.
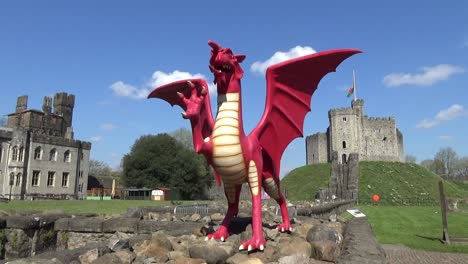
[461, 169]
[183, 136]
[410, 159]
[161, 161]
[436, 166]
[447, 157]
[427, 163]
[99, 168]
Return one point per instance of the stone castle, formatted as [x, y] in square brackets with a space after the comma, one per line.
[350, 131]
[39, 158]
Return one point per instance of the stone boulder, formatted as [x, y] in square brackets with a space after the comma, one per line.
[150, 250]
[126, 256]
[323, 232]
[325, 250]
[296, 246]
[107, 259]
[211, 253]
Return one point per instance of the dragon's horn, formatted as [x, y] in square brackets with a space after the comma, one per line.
[215, 46]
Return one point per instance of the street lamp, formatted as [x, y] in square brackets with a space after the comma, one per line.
[12, 179]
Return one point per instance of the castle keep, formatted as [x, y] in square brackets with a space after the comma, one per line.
[39, 158]
[350, 131]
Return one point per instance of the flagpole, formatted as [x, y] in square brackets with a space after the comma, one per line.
[354, 85]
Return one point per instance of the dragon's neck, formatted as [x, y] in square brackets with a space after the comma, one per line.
[232, 102]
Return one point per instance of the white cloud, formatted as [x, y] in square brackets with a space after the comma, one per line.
[429, 76]
[95, 138]
[126, 90]
[446, 138]
[157, 79]
[107, 126]
[453, 112]
[280, 56]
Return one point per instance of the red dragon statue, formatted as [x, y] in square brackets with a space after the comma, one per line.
[255, 159]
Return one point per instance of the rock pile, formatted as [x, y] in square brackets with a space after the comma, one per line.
[312, 241]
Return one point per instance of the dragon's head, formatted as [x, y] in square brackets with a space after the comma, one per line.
[224, 65]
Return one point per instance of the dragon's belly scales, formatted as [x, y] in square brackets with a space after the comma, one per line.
[227, 150]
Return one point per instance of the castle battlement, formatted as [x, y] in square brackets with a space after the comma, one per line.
[380, 118]
[341, 111]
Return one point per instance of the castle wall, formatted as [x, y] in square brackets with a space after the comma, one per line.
[47, 124]
[380, 140]
[317, 148]
[401, 152]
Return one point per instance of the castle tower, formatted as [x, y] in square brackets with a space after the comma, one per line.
[21, 103]
[344, 132]
[63, 106]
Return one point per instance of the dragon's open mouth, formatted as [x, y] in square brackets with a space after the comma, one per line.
[225, 68]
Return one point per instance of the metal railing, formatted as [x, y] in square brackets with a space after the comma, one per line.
[189, 209]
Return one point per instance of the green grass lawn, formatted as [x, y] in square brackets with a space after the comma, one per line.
[80, 206]
[416, 227]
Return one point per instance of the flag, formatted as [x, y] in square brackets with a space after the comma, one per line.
[350, 91]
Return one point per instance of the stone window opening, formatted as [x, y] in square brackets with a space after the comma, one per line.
[35, 178]
[51, 179]
[38, 153]
[21, 154]
[53, 155]
[14, 154]
[384, 139]
[18, 179]
[67, 156]
[65, 179]
[344, 144]
[343, 159]
[344, 118]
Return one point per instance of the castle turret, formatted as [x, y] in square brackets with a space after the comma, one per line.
[63, 106]
[21, 103]
[47, 105]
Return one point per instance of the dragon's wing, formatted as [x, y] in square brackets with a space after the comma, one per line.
[204, 123]
[201, 126]
[290, 86]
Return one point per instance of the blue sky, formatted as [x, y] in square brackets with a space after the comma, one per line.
[111, 53]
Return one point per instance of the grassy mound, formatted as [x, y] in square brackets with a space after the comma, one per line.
[304, 182]
[396, 183]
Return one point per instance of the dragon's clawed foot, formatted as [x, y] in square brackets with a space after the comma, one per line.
[194, 102]
[220, 234]
[285, 227]
[256, 242]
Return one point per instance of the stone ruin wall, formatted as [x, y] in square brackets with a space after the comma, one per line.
[317, 154]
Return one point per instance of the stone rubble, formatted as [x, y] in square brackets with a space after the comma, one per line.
[181, 240]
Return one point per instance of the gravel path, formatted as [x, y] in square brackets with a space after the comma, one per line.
[397, 254]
